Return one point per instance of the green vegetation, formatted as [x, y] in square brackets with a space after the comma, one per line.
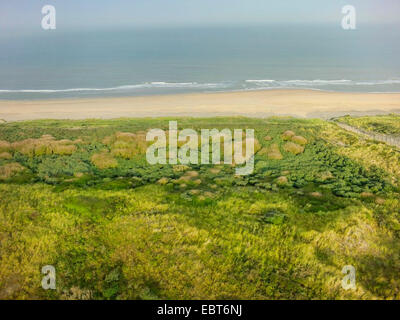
[386, 124]
[293, 148]
[79, 195]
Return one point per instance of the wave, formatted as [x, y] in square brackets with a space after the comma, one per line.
[260, 81]
[378, 82]
[319, 82]
[123, 87]
[251, 84]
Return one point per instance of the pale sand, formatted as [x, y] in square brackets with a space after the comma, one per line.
[298, 103]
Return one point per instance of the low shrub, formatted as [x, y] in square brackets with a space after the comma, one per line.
[4, 146]
[163, 181]
[126, 144]
[180, 168]
[274, 153]
[287, 135]
[104, 160]
[53, 166]
[293, 148]
[5, 155]
[44, 146]
[299, 140]
[282, 180]
[10, 169]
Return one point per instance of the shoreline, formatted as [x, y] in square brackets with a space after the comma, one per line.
[303, 103]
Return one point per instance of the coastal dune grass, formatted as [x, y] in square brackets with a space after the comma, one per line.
[293, 148]
[10, 169]
[42, 146]
[386, 124]
[104, 160]
[115, 227]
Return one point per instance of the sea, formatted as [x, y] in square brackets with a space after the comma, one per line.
[151, 61]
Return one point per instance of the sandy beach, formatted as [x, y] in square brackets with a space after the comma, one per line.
[298, 103]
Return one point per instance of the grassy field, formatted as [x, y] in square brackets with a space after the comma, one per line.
[386, 124]
[79, 195]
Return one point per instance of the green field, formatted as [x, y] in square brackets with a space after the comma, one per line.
[387, 124]
[79, 195]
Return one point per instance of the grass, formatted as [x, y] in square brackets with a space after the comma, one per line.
[386, 124]
[293, 148]
[115, 227]
[9, 170]
[104, 160]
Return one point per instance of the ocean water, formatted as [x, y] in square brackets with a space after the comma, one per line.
[80, 64]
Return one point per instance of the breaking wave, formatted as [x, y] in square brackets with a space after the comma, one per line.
[391, 85]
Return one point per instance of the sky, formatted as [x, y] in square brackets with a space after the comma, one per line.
[16, 15]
